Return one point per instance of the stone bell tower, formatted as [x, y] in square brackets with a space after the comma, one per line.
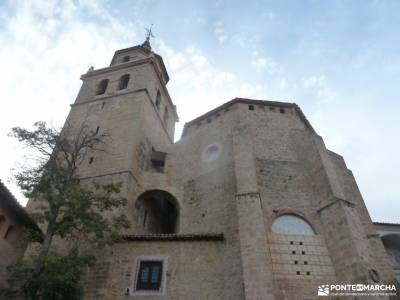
[128, 100]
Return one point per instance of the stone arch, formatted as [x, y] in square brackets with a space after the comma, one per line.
[158, 212]
[291, 211]
[123, 81]
[102, 87]
[288, 221]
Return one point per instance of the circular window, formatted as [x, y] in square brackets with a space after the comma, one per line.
[212, 152]
[293, 225]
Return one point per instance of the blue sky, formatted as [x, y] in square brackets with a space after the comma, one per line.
[339, 60]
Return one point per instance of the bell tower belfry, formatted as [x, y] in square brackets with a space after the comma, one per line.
[128, 100]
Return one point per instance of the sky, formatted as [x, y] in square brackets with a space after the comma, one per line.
[338, 60]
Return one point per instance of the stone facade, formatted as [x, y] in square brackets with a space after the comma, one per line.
[205, 205]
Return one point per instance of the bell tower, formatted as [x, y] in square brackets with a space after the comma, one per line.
[130, 102]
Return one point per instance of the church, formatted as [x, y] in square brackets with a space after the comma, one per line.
[247, 204]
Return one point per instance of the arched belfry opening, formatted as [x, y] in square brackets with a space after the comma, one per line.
[158, 212]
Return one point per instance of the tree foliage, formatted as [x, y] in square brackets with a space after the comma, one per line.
[66, 207]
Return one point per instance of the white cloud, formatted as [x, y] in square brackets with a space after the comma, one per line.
[45, 47]
[318, 86]
[220, 32]
[263, 63]
[196, 81]
[51, 45]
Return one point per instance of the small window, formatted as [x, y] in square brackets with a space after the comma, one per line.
[125, 58]
[166, 116]
[298, 272]
[91, 160]
[303, 252]
[158, 100]
[293, 252]
[158, 160]
[282, 110]
[102, 87]
[296, 262]
[123, 81]
[308, 273]
[305, 262]
[251, 107]
[149, 276]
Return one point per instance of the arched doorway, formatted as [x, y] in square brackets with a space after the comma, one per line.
[158, 212]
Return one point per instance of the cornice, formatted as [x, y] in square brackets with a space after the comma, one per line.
[117, 67]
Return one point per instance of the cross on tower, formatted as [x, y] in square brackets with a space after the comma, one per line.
[149, 34]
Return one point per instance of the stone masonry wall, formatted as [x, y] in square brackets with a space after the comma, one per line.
[193, 271]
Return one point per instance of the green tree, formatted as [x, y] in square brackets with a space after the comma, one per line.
[66, 208]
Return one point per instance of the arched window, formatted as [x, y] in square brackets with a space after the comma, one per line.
[123, 81]
[102, 87]
[158, 100]
[291, 224]
[166, 115]
[9, 232]
[158, 212]
[125, 58]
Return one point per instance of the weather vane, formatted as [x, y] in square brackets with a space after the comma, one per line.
[149, 34]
